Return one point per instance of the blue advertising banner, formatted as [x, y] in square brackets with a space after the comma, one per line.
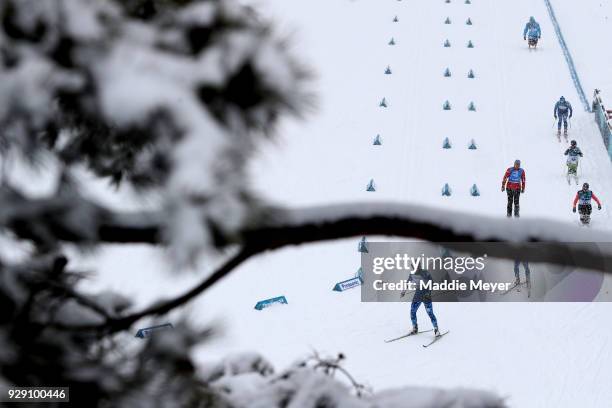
[269, 302]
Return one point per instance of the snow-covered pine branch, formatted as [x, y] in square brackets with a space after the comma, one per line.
[58, 218]
[247, 380]
[171, 95]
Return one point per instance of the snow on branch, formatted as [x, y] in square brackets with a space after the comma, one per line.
[66, 218]
[239, 381]
[164, 95]
[301, 226]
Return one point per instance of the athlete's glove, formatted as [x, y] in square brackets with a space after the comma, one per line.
[522, 190]
[599, 207]
[573, 209]
[555, 116]
[503, 189]
[524, 38]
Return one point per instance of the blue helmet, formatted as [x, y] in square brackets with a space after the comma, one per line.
[531, 19]
[517, 162]
[562, 99]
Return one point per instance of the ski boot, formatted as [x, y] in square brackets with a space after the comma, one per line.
[415, 329]
[516, 212]
[565, 134]
[517, 282]
[436, 332]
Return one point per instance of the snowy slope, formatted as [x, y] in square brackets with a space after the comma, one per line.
[539, 355]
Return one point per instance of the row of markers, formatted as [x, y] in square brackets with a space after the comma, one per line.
[446, 144]
[446, 190]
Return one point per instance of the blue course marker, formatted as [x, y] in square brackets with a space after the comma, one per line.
[148, 331]
[474, 192]
[363, 245]
[262, 304]
[347, 284]
[446, 190]
[371, 186]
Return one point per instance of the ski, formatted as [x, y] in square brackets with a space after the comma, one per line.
[436, 339]
[407, 335]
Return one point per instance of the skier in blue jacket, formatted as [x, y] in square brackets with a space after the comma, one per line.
[422, 295]
[532, 32]
[562, 109]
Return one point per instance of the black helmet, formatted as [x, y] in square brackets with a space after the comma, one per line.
[517, 161]
[573, 143]
[585, 186]
[562, 98]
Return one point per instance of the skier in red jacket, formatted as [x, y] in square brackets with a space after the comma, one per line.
[514, 184]
[583, 198]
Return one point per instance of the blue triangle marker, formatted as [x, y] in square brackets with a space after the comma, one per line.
[363, 245]
[446, 106]
[474, 191]
[148, 331]
[471, 74]
[388, 70]
[447, 43]
[383, 103]
[447, 21]
[470, 44]
[472, 145]
[392, 41]
[446, 190]
[469, 21]
[377, 141]
[447, 72]
[468, 2]
[395, 19]
[446, 144]
[472, 107]
[371, 186]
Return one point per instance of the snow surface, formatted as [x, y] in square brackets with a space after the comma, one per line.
[539, 355]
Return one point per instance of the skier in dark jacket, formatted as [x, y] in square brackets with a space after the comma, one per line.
[573, 156]
[514, 183]
[422, 295]
[583, 198]
[562, 110]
